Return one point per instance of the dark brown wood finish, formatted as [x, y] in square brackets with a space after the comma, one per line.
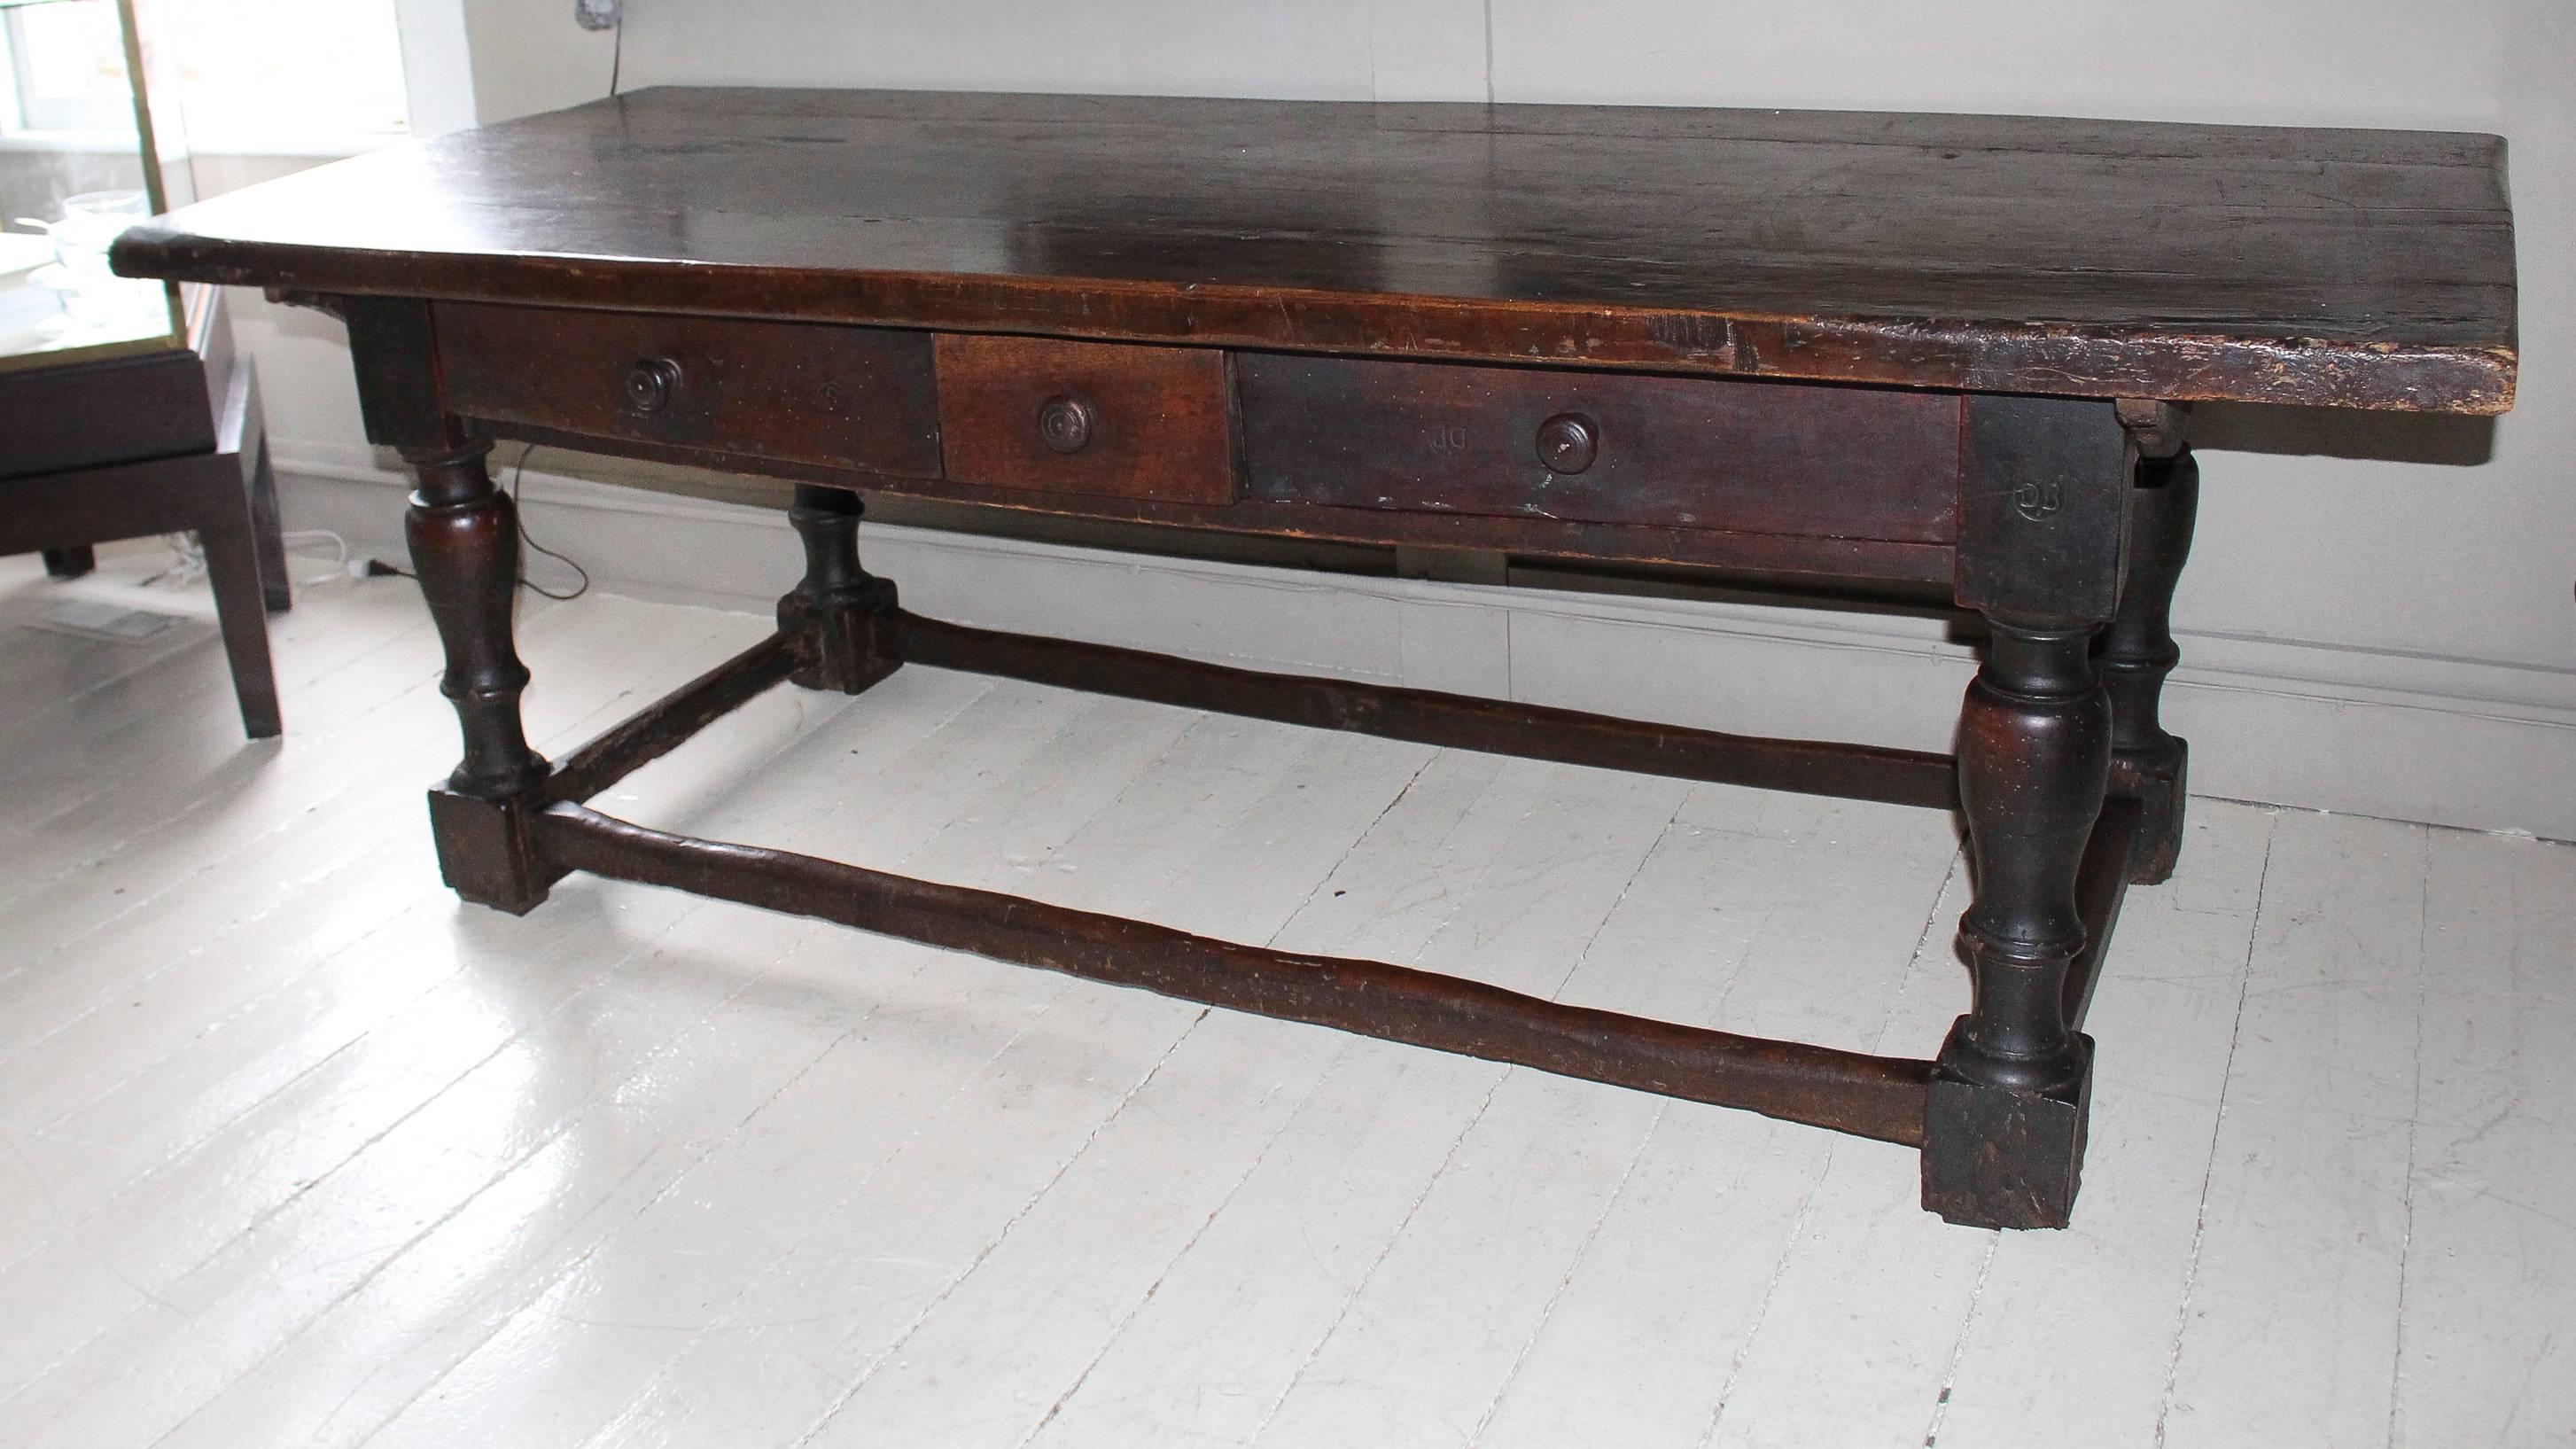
[114, 410]
[511, 851]
[1867, 1096]
[2043, 503]
[2007, 254]
[169, 442]
[855, 398]
[2101, 886]
[1840, 559]
[1916, 349]
[840, 615]
[2136, 652]
[464, 537]
[1601, 448]
[1846, 483]
[673, 719]
[1087, 418]
[1815, 767]
[484, 851]
[394, 346]
[2034, 762]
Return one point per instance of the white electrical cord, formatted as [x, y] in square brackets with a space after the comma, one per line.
[187, 561]
[339, 565]
[188, 557]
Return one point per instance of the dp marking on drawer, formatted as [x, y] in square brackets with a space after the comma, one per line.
[2038, 499]
[1449, 440]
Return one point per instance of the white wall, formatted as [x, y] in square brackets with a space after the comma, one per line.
[2387, 630]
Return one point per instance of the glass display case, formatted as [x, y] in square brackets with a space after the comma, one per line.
[84, 153]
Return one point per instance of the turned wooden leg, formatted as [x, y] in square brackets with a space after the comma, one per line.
[841, 615]
[70, 563]
[464, 539]
[2004, 1133]
[2137, 651]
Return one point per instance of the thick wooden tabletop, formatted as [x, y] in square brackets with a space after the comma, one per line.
[2336, 267]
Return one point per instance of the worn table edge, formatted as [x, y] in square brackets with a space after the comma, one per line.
[2070, 360]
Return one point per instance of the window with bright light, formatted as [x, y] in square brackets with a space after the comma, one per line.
[66, 69]
[260, 76]
[253, 77]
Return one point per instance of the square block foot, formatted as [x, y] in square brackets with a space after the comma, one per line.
[483, 851]
[2160, 783]
[1997, 1158]
[849, 643]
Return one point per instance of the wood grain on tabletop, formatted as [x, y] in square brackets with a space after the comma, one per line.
[2265, 264]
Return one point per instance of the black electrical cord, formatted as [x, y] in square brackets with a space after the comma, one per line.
[528, 583]
[379, 569]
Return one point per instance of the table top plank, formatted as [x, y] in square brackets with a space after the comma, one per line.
[2263, 264]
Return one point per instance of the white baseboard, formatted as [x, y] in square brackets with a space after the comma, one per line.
[2459, 742]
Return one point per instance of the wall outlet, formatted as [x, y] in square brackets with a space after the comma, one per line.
[595, 14]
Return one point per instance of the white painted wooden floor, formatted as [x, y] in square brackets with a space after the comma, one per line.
[299, 1151]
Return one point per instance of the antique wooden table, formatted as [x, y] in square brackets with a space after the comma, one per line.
[1932, 350]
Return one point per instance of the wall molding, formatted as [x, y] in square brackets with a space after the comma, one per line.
[2474, 743]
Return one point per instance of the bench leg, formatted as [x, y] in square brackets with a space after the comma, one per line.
[2004, 1130]
[464, 538]
[2137, 651]
[268, 534]
[232, 572]
[70, 563]
[841, 615]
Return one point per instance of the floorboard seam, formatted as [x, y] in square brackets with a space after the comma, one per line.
[627, 1415]
[2217, 1127]
[259, 1220]
[271, 1213]
[286, 683]
[619, 1421]
[1503, 1387]
[1119, 1329]
[1316, 1349]
[2414, 1127]
[1824, 1166]
[1448, 1155]
[1959, 1348]
[1565, 1280]
[185, 1150]
[286, 901]
[214, 800]
[869, 1371]
[540, 1289]
[1287, 1120]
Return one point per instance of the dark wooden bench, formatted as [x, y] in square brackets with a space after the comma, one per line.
[160, 442]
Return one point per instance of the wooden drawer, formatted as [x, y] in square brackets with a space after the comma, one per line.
[1596, 447]
[838, 397]
[1091, 418]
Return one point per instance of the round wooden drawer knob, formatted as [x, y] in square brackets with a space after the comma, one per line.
[650, 383]
[1568, 442]
[1065, 423]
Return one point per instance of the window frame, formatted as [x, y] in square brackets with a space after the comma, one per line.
[24, 113]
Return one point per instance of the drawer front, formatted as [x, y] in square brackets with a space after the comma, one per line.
[837, 397]
[1100, 419]
[1595, 447]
